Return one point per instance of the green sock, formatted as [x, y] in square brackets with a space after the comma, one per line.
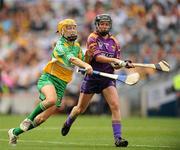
[39, 108]
[34, 125]
[31, 127]
[17, 131]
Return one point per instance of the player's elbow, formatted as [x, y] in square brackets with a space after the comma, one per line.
[73, 60]
[98, 58]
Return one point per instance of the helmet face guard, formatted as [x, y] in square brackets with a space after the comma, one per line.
[68, 29]
[103, 18]
[70, 32]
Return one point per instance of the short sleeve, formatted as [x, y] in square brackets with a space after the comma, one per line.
[92, 46]
[69, 56]
[81, 54]
[62, 53]
[59, 49]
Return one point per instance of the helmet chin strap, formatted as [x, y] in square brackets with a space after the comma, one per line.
[103, 33]
[71, 38]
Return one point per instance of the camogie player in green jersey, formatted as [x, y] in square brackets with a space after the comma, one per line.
[56, 75]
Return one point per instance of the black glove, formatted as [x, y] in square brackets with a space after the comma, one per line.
[128, 64]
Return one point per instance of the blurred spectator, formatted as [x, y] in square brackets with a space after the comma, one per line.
[148, 31]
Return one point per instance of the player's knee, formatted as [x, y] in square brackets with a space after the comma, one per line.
[114, 107]
[49, 102]
[52, 102]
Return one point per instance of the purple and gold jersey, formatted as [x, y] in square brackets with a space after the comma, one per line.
[97, 45]
[108, 47]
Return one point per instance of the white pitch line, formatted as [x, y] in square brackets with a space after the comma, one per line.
[47, 128]
[92, 128]
[55, 128]
[89, 127]
[85, 144]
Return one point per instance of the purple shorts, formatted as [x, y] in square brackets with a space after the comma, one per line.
[96, 84]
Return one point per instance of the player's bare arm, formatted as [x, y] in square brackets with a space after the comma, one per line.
[121, 63]
[76, 61]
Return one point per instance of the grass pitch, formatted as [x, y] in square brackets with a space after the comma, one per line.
[94, 133]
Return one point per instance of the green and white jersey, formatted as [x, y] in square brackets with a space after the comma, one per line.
[60, 65]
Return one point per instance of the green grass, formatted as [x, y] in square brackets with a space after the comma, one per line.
[94, 133]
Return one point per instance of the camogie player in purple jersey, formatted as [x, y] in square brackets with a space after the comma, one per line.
[102, 50]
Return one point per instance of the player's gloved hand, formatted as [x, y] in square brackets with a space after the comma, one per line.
[116, 63]
[120, 63]
[128, 64]
[89, 69]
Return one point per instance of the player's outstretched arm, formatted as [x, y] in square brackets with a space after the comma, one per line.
[104, 59]
[76, 61]
[116, 63]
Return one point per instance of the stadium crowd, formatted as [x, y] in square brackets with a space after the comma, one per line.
[148, 31]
